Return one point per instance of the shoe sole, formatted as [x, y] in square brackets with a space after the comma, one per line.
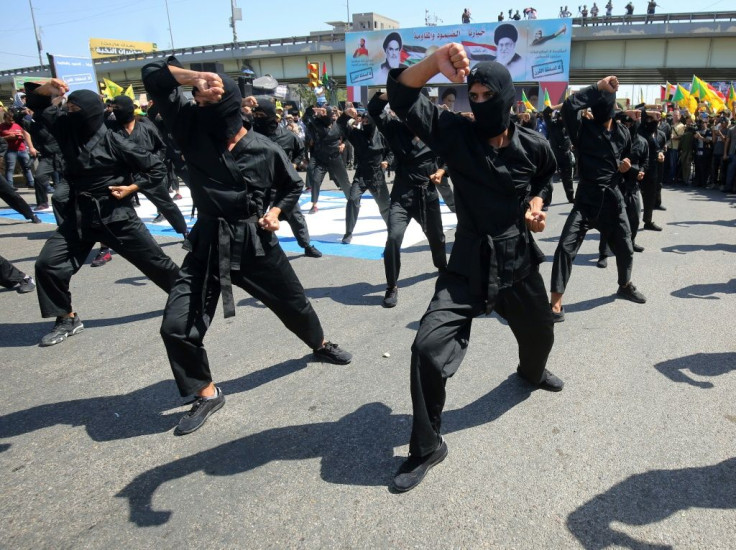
[76, 330]
[178, 431]
[631, 299]
[430, 465]
[388, 306]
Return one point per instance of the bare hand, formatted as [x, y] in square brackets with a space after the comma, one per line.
[452, 62]
[384, 165]
[122, 191]
[209, 85]
[270, 222]
[54, 88]
[624, 166]
[608, 84]
[436, 178]
[535, 220]
[351, 112]
[640, 176]
[250, 101]
[660, 157]
[341, 148]
[320, 111]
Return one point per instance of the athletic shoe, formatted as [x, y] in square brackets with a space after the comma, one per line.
[158, 219]
[26, 285]
[651, 226]
[313, 210]
[602, 262]
[558, 316]
[202, 409]
[102, 258]
[549, 381]
[347, 238]
[332, 353]
[663, 209]
[35, 219]
[177, 197]
[312, 252]
[630, 293]
[41, 207]
[412, 471]
[64, 327]
[638, 248]
[391, 298]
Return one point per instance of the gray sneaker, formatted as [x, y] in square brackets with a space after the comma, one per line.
[202, 409]
[630, 293]
[64, 327]
[26, 285]
[391, 298]
[332, 353]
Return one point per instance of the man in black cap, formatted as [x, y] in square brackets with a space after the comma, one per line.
[98, 164]
[232, 171]
[372, 156]
[413, 195]
[603, 149]
[500, 173]
[264, 122]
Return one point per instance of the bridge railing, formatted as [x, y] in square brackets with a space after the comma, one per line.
[655, 18]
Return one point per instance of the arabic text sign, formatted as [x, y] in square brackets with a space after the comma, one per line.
[106, 47]
[533, 50]
[77, 72]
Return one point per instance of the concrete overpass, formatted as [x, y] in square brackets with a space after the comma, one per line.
[643, 49]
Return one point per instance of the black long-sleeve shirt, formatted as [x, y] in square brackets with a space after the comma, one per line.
[370, 150]
[558, 137]
[326, 140]
[598, 151]
[292, 145]
[146, 136]
[492, 186]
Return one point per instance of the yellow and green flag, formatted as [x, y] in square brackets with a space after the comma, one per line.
[526, 102]
[112, 90]
[732, 98]
[129, 92]
[547, 101]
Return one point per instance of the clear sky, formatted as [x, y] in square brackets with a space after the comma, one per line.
[67, 25]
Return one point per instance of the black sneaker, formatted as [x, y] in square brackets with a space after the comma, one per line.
[312, 252]
[26, 285]
[602, 262]
[651, 226]
[558, 316]
[36, 219]
[638, 248]
[347, 238]
[663, 209]
[64, 327]
[332, 353]
[630, 293]
[202, 409]
[103, 256]
[158, 219]
[549, 381]
[412, 471]
[391, 297]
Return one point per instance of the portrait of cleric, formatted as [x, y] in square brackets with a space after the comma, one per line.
[392, 46]
[506, 37]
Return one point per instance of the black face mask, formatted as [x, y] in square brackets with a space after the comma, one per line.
[367, 126]
[91, 114]
[492, 117]
[247, 120]
[605, 109]
[651, 126]
[223, 120]
[267, 124]
[125, 111]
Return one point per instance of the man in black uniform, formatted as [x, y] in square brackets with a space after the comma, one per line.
[97, 166]
[413, 195]
[49, 160]
[560, 142]
[326, 153]
[265, 122]
[372, 157]
[174, 161]
[651, 186]
[10, 195]
[499, 171]
[603, 155]
[232, 171]
[629, 184]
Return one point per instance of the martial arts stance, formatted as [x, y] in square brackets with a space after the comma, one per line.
[98, 163]
[232, 171]
[265, 122]
[603, 148]
[413, 195]
[499, 171]
[326, 153]
[560, 142]
[372, 157]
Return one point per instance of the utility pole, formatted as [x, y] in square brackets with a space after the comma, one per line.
[35, 30]
[347, 25]
[171, 34]
[237, 15]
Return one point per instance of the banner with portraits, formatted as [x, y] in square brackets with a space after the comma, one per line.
[533, 50]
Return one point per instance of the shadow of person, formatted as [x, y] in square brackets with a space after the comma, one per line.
[587, 305]
[649, 498]
[724, 223]
[357, 449]
[685, 248]
[702, 364]
[706, 291]
[140, 412]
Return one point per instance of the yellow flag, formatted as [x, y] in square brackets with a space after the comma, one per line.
[112, 90]
[129, 92]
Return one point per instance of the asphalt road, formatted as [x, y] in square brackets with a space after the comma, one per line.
[636, 452]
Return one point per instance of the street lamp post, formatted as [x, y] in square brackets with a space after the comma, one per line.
[35, 30]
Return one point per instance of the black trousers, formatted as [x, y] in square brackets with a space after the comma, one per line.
[649, 192]
[442, 340]
[60, 201]
[46, 173]
[399, 216]
[65, 252]
[13, 199]
[176, 168]
[9, 274]
[298, 225]
[613, 224]
[564, 168]
[379, 190]
[338, 173]
[159, 196]
[633, 209]
[269, 279]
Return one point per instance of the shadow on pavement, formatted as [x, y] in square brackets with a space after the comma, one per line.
[702, 364]
[354, 450]
[651, 497]
[706, 291]
[685, 248]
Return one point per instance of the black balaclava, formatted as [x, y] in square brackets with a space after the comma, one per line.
[268, 124]
[327, 119]
[604, 110]
[492, 117]
[125, 111]
[367, 125]
[651, 124]
[91, 114]
[222, 120]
